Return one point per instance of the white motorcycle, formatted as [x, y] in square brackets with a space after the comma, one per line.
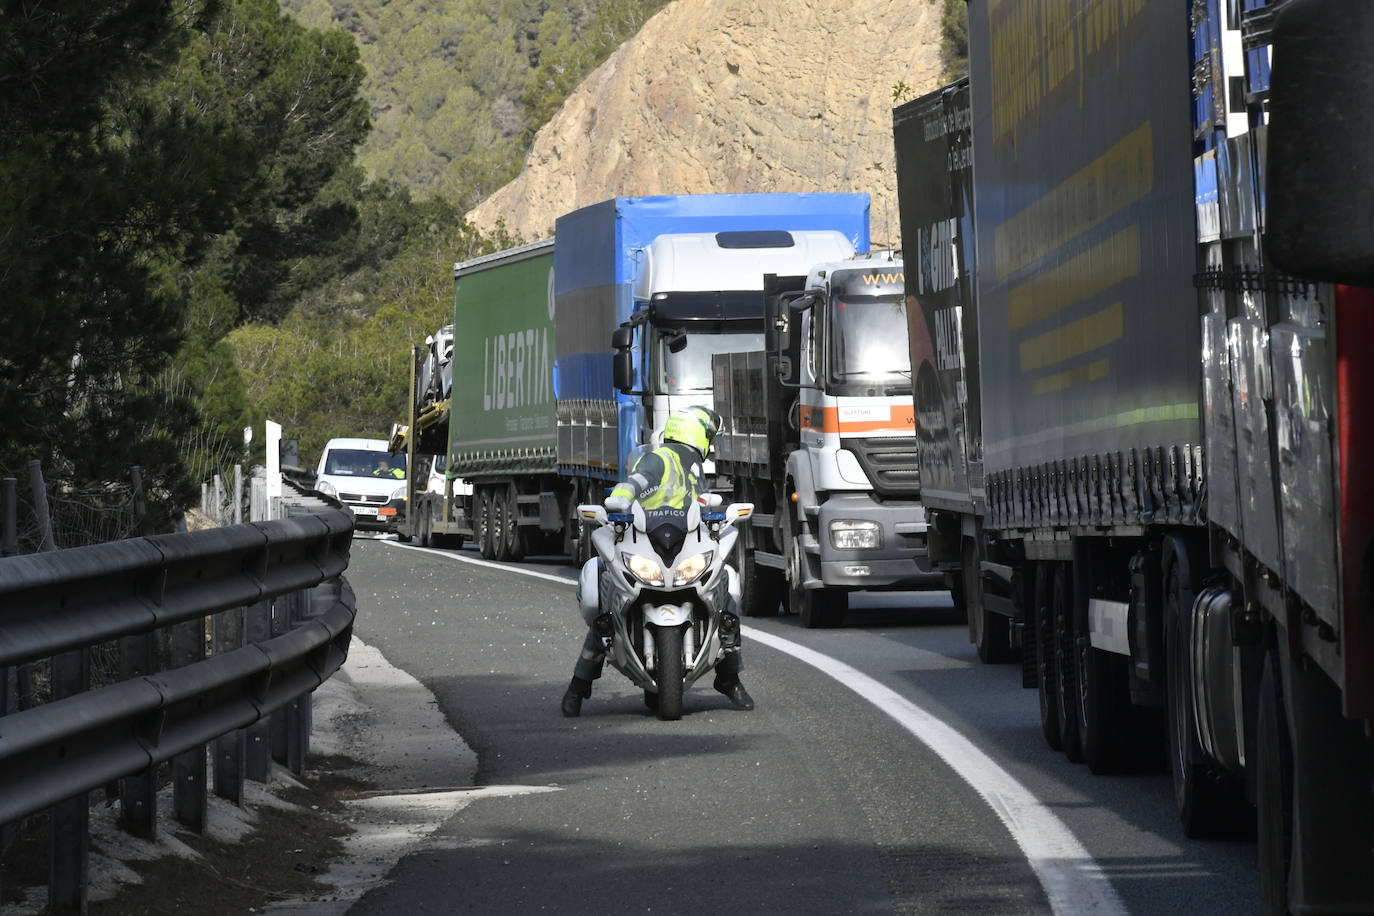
[662, 598]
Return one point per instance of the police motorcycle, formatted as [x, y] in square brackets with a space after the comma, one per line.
[662, 598]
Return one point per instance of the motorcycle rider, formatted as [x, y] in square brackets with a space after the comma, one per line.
[669, 475]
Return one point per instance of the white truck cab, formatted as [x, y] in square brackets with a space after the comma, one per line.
[700, 293]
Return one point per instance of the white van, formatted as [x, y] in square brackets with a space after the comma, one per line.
[364, 476]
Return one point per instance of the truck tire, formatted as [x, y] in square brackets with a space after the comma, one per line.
[1046, 682]
[486, 524]
[1066, 692]
[817, 607]
[572, 530]
[957, 598]
[1199, 793]
[761, 588]
[1273, 792]
[426, 525]
[585, 551]
[989, 631]
[506, 522]
[1103, 703]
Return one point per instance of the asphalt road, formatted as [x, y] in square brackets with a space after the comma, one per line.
[884, 771]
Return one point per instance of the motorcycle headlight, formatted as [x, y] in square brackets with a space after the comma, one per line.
[692, 567]
[644, 569]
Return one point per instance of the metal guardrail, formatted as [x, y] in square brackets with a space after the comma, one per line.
[67, 601]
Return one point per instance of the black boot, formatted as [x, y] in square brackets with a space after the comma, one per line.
[578, 690]
[729, 684]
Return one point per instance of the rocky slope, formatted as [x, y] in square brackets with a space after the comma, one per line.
[734, 96]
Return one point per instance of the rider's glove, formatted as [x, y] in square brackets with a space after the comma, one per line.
[617, 504]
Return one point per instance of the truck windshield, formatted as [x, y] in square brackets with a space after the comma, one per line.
[868, 340]
[689, 369]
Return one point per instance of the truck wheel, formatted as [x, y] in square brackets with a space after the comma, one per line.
[1198, 793]
[1064, 668]
[505, 522]
[760, 587]
[817, 607]
[583, 548]
[1102, 704]
[957, 598]
[426, 526]
[989, 631]
[486, 524]
[572, 530]
[1045, 679]
[1273, 792]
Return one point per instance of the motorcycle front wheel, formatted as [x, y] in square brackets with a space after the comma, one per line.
[670, 668]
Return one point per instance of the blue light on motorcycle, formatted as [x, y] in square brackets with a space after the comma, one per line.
[692, 567]
[644, 569]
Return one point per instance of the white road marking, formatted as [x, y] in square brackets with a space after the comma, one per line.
[1072, 879]
[478, 561]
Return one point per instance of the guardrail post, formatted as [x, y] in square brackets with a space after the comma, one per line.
[258, 628]
[189, 803]
[231, 749]
[279, 721]
[296, 724]
[69, 821]
[138, 792]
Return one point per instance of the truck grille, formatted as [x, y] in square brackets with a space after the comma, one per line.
[891, 465]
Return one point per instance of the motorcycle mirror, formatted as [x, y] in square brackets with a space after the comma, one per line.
[593, 513]
[736, 511]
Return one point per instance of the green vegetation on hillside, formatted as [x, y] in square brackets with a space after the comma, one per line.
[954, 39]
[163, 170]
[194, 243]
[459, 87]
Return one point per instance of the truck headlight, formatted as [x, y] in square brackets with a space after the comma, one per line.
[644, 569]
[852, 534]
[398, 493]
[692, 567]
[327, 489]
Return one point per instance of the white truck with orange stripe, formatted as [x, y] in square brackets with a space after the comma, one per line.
[819, 433]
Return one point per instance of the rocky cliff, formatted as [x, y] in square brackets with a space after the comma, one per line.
[717, 96]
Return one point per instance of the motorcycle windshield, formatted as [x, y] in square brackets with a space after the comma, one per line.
[667, 529]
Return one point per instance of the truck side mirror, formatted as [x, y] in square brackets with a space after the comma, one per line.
[783, 326]
[1321, 142]
[623, 365]
[789, 343]
[678, 342]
